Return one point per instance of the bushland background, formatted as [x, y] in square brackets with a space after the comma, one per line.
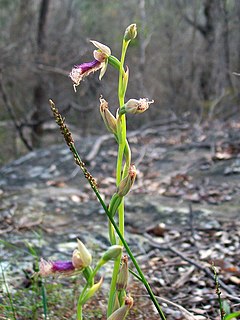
[183, 58]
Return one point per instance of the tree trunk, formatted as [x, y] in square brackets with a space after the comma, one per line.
[208, 32]
[225, 49]
[38, 94]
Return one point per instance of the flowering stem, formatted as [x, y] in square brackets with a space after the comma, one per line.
[79, 304]
[129, 252]
[121, 133]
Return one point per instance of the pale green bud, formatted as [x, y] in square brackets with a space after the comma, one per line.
[116, 304]
[91, 291]
[122, 279]
[126, 184]
[109, 120]
[81, 257]
[135, 106]
[131, 32]
[121, 313]
[112, 253]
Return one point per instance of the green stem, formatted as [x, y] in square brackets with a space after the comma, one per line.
[129, 252]
[8, 293]
[121, 134]
[114, 62]
[79, 305]
[113, 284]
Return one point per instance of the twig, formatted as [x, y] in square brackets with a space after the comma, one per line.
[191, 221]
[189, 316]
[96, 147]
[229, 292]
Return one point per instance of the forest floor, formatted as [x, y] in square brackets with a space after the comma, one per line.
[182, 215]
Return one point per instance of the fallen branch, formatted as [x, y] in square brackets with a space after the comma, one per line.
[188, 315]
[96, 147]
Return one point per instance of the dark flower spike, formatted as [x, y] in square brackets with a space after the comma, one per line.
[100, 62]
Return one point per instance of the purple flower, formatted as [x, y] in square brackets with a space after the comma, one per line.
[81, 258]
[59, 267]
[100, 62]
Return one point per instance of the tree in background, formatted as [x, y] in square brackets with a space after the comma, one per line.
[188, 51]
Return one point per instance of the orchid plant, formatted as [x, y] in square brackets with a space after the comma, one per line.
[119, 301]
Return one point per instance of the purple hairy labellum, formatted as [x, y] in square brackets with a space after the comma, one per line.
[83, 70]
[59, 267]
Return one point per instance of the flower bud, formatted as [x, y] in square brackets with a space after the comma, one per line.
[116, 304]
[135, 106]
[121, 313]
[91, 291]
[122, 279]
[109, 120]
[112, 253]
[126, 184]
[131, 32]
[81, 257]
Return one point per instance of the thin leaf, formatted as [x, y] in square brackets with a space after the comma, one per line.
[232, 315]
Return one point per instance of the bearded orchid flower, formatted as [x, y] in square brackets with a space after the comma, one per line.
[79, 72]
[81, 259]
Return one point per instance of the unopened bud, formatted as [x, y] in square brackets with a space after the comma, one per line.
[135, 106]
[131, 32]
[122, 279]
[112, 253]
[121, 313]
[109, 120]
[116, 304]
[126, 184]
[81, 257]
[91, 291]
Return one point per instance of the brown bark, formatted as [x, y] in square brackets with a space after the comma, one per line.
[226, 49]
[208, 32]
[38, 94]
